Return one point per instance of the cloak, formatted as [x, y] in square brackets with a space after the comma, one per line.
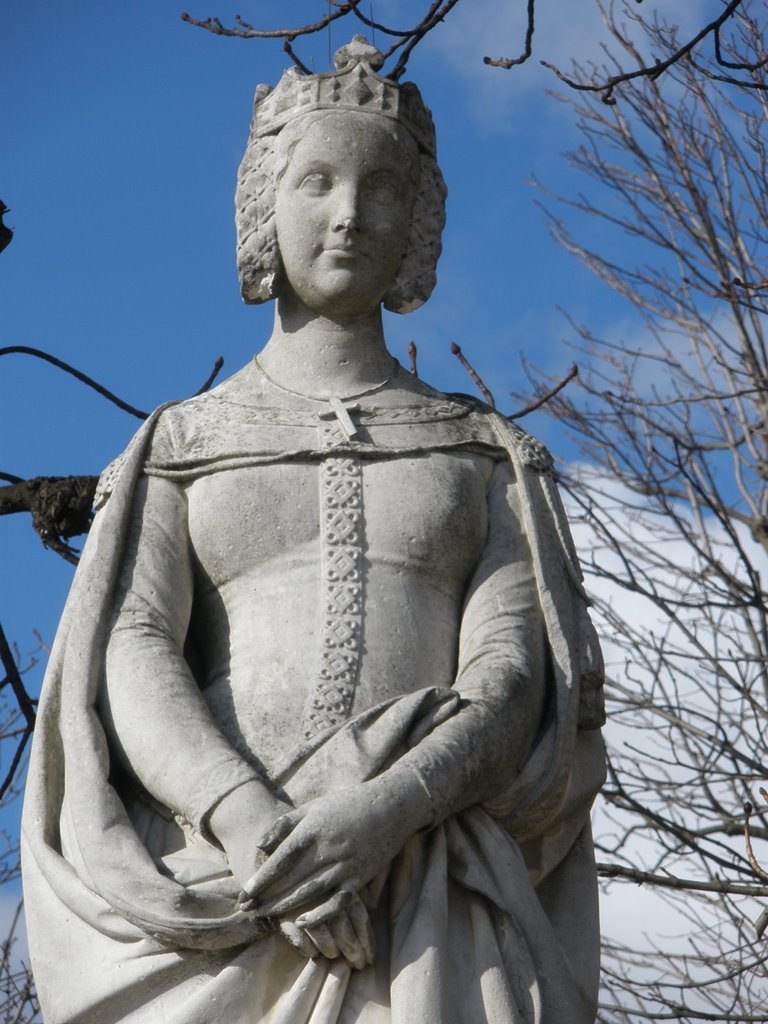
[491, 915]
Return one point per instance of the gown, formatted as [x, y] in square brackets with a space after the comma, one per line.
[277, 588]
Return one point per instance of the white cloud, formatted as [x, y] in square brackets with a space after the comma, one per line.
[645, 916]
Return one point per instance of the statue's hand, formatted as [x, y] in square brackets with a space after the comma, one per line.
[241, 821]
[337, 842]
[332, 932]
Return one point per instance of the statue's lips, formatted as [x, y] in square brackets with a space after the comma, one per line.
[344, 252]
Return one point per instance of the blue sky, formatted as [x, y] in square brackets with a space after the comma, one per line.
[122, 130]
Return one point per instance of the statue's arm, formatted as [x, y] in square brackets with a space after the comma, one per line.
[151, 705]
[501, 670]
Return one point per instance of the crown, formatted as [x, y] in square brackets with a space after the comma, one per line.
[354, 85]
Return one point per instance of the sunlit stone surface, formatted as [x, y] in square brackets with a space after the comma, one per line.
[320, 732]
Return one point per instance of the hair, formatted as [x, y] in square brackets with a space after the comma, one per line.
[258, 257]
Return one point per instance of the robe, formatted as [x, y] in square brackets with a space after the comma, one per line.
[490, 915]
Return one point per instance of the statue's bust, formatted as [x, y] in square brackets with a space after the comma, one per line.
[318, 739]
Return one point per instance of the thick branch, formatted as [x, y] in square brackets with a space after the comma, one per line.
[61, 507]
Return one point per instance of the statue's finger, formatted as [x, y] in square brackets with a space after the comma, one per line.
[361, 921]
[298, 939]
[274, 868]
[280, 830]
[346, 938]
[292, 899]
[331, 908]
[324, 940]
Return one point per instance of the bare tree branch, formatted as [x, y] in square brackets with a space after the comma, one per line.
[13, 678]
[206, 386]
[61, 507]
[509, 62]
[672, 882]
[408, 39]
[650, 71]
[547, 396]
[91, 383]
[6, 233]
[244, 30]
[473, 374]
[670, 504]
[25, 704]
[78, 374]
[412, 354]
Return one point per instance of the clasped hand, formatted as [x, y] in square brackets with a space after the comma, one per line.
[321, 854]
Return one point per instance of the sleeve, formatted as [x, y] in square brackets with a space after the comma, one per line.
[151, 705]
[501, 670]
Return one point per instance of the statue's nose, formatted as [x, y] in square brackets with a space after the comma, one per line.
[347, 216]
[347, 223]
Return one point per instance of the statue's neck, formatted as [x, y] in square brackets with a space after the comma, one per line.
[323, 357]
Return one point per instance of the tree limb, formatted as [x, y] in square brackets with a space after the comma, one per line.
[687, 884]
[651, 71]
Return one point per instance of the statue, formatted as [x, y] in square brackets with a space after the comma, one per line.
[320, 731]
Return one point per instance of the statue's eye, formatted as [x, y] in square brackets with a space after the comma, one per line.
[315, 183]
[382, 190]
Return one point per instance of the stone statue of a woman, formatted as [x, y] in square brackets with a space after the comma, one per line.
[319, 735]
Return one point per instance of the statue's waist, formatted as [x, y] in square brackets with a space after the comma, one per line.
[262, 673]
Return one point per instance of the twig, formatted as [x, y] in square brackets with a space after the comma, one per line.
[412, 352]
[671, 882]
[436, 13]
[738, 283]
[247, 31]
[67, 552]
[753, 863]
[13, 677]
[648, 71]
[573, 372]
[408, 39]
[83, 377]
[213, 375]
[15, 762]
[11, 478]
[26, 707]
[509, 62]
[473, 374]
[6, 233]
[735, 65]
[295, 57]
[681, 1012]
[377, 26]
[91, 383]
[43, 646]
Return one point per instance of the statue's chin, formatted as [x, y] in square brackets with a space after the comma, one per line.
[342, 294]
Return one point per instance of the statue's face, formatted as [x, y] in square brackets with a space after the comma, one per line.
[343, 213]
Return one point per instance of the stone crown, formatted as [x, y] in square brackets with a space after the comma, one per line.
[354, 85]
